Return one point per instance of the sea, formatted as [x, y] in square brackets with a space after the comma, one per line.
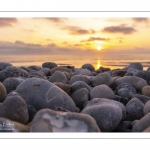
[112, 61]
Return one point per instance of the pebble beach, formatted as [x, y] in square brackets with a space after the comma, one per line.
[54, 98]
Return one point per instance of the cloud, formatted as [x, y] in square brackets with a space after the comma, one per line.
[95, 39]
[78, 31]
[139, 20]
[22, 48]
[56, 20]
[7, 22]
[119, 29]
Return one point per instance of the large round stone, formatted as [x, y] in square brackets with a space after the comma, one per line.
[78, 85]
[102, 91]
[102, 78]
[134, 109]
[146, 109]
[47, 120]
[43, 94]
[125, 90]
[58, 76]
[88, 66]
[142, 124]
[107, 116]
[12, 83]
[146, 90]
[49, 65]
[80, 97]
[3, 92]
[102, 101]
[14, 108]
[83, 78]
[136, 82]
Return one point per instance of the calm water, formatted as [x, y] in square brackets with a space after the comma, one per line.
[106, 60]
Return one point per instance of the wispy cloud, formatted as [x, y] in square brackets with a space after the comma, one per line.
[119, 29]
[95, 39]
[7, 22]
[139, 20]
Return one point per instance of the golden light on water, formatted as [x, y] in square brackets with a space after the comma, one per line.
[98, 64]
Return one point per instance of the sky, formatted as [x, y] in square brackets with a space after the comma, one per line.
[75, 36]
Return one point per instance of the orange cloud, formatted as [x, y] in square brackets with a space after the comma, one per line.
[7, 22]
[95, 39]
[119, 29]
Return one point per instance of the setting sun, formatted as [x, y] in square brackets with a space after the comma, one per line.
[99, 47]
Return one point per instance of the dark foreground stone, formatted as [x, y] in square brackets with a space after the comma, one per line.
[47, 120]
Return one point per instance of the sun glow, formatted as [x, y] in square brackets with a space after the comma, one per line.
[99, 47]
